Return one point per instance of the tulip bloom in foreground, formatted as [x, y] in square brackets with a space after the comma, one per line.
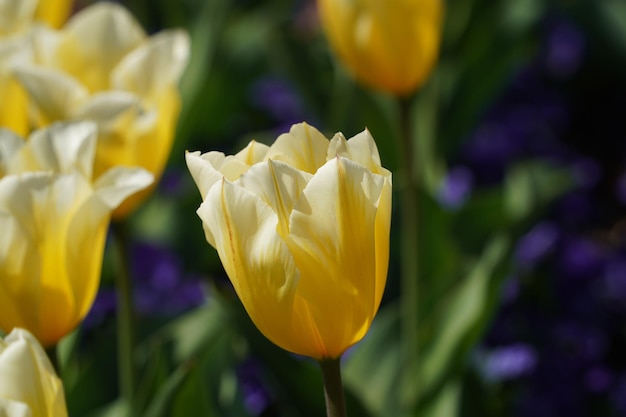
[54, 224]
[101, 66]
[302, 229]
[29, 387]
[390, 45]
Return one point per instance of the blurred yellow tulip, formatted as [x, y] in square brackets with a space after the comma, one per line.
[54, 224]
[389, 45]
[302, 230]
[29, 387]
[53, 12]
[103, 67]
[16, 19]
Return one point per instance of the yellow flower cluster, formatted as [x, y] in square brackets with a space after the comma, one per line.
[100, 66]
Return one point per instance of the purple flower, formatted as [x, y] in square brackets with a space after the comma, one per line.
[278, 98]
[456, 188]
[256, 397]
[508, 362]
[160, 287]
[564, 49]
[536, 244]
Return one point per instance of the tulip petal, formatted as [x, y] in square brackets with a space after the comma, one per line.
[253, 153]
[62, 147]
[109, 109]
[96, 39]
[332, 239]
[118, 183]
[10, 144]
[10, 408]
[55, 94]
[28, 378]
[304, 147]
[158, 63]
[360, 148]
[209, 168]
[279, 185]
[254, 256]
[15, 14]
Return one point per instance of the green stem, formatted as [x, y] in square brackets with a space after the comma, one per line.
[125, 317]
[333, 388]
[410, 245]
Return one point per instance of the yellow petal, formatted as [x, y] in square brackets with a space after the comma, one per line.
[279, 185]
[156, 64]
[333, 241]
[209, 168]
[304, 148]
[28, 383]
[254, 256]
[62, 147]
[54, 12]
[16, 15]
[55, 95]
[10, 144]
[95, 40]
[360, 148]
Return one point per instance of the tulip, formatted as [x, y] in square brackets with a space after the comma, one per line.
[29, 387]
[103, 67]
[389, 45]
[302, 230]
[54, 223]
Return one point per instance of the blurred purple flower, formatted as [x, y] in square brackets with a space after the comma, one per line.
[580, 258]
[536, 244]
[160, 287]
[598, 379]
[256, 396]
[508, 362]
[564, 49]
[278, 98]
[456, 188]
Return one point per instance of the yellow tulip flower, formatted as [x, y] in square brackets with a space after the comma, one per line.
[29, 387]
[389, 45]
[302, 230]
[103, 67]
[54, 224]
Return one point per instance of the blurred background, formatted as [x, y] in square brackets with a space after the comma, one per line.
[521, 132]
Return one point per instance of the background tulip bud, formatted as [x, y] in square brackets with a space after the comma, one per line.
[302, 229]
[29, 387]
[389, 45]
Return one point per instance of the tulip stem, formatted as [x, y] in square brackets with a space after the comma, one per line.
[333, 387]
[410, 244]
[125, 317]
